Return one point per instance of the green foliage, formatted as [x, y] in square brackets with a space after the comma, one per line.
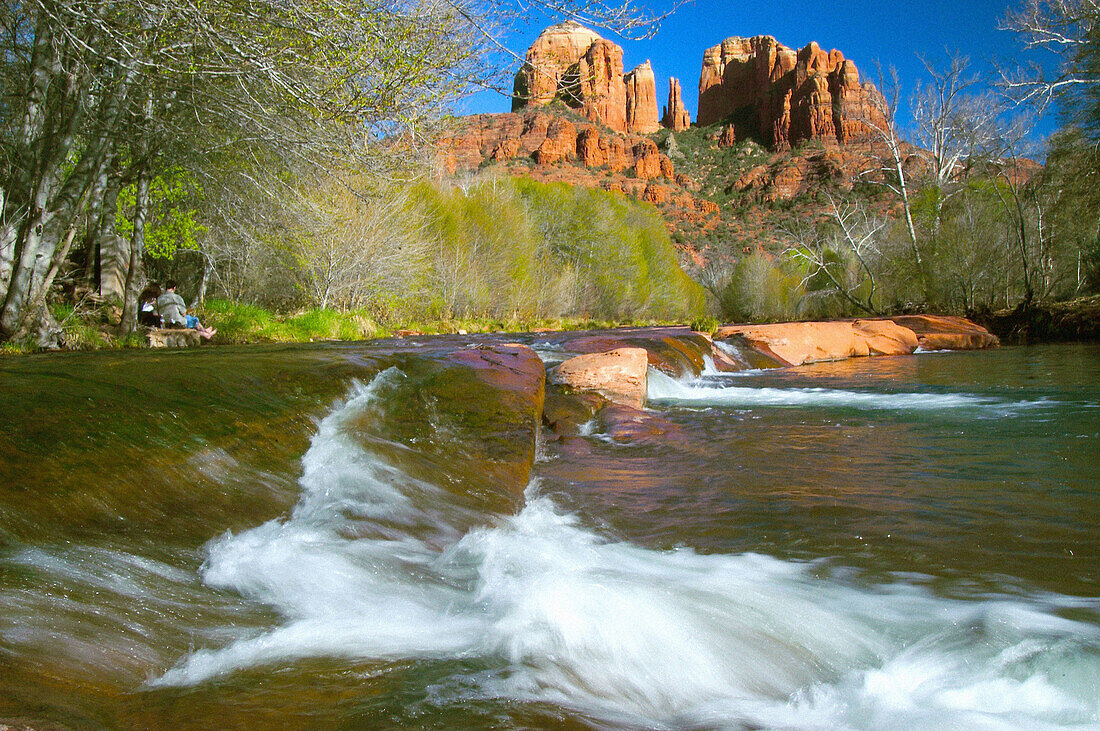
[706, 324]
[762, 289]
[172, 223]
[243, 323]
[524, 250]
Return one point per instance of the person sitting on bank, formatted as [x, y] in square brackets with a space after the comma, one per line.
[147, 306]
[173, 312]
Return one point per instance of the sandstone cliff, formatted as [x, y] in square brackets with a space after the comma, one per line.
[783, 97]
[573, 64]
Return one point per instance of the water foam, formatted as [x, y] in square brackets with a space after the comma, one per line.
[664, 388]
[563, 615]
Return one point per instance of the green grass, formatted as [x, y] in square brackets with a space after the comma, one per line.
[243, 323]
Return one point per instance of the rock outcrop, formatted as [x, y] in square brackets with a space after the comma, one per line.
[549, 139]
[944, 332]
[676, 117]
[573, 64]
[798, 343]
[173, 338]
[782, 97]
[550, 58]
[617, 375]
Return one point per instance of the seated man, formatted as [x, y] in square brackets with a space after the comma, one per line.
[173, 312]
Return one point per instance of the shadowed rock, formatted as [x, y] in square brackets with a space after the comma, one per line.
[943, 332]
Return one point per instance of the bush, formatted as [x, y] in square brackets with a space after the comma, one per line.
[761, 289]
[706, 324]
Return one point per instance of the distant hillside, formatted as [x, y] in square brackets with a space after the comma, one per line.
[782, 128]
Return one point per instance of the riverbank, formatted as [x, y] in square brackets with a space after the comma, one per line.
[95, 327]
[1073, 321]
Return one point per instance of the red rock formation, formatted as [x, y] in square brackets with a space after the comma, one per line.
[728, 138]
[676, 117]
[797, 343]
[560, 142]
[783, 97]
[641, 100]
[554, 52]
[944, 332]
[575, 65]
[618, 375]
[603, 97]
[550, 139]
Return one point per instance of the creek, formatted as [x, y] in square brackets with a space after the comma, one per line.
[368, 535]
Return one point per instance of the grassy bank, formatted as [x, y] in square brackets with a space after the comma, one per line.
[239, 323]
[244, 324]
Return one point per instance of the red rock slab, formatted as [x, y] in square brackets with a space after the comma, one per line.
[798, 343]
[617, 375]
[946, 332]
[676, 354]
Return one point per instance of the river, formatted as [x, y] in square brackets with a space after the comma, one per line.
[308, 537]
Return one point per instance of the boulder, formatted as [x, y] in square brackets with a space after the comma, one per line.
[617, 375]
[885, 337]
[173, 338]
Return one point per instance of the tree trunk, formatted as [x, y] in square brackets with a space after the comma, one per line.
[134, 270]
[114, 251]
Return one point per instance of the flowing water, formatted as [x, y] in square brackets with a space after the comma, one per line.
[300, 537]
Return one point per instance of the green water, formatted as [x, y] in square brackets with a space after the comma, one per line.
[298, 541]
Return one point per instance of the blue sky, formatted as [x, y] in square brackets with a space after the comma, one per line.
[892, 33]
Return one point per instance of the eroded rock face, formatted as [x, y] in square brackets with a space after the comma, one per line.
[550, 57]
[550, 139]
[783, 97]
[603, 96]
[618, 375]
[676, 116]
[575, 65]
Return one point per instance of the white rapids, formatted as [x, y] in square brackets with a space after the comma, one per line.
[623, 634]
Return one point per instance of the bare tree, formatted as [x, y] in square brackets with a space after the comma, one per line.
[844, 254]
[359, 247]
[955, 126]
[892, 171]
[1064, 28]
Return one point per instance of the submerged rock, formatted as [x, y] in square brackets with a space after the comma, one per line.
[617, 375]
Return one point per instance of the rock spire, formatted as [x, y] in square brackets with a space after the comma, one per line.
[573, 64]
[676, 117]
